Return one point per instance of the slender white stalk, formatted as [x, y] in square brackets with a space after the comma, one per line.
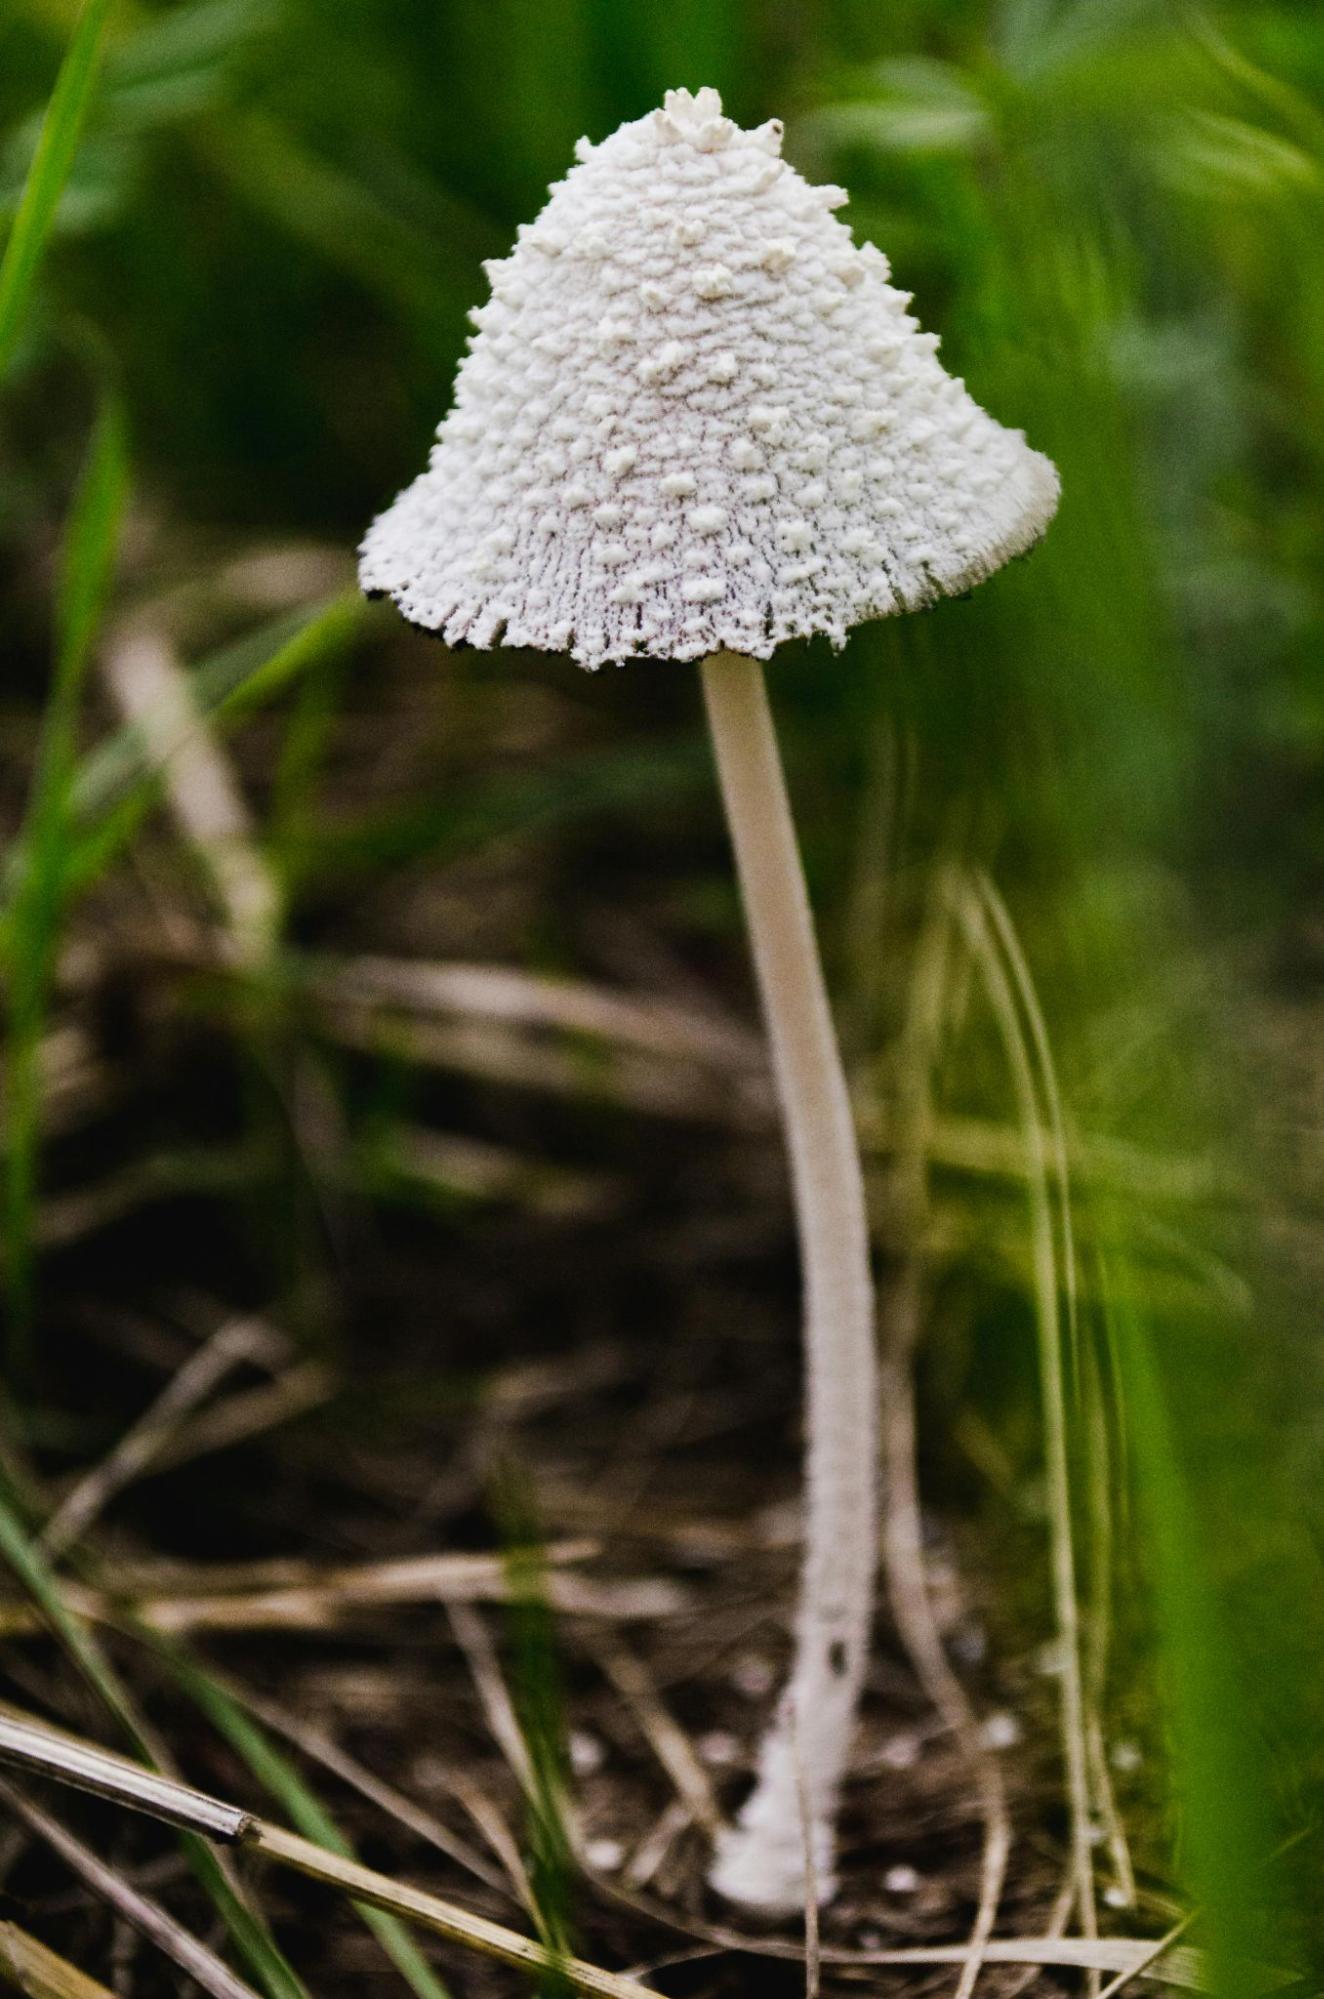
[762, 1861]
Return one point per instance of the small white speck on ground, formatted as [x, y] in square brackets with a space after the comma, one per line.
[901, 1880]
[586, 1752]
[1001, 1731]
[901, 1752]
[718, 1747]
[753, 1676]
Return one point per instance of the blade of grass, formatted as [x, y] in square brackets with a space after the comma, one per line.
[113, 783]
[58, 142]
[245, 1926]
[19, 1549]
[88, 562]
[540, 1714]
[1047, 1284]
[147, 1917]
[364, 1884]
[225, 685]
[319, 1748]
[1057, 1134]
[118, 783]
[1218, 1786]
[202, 790]
[928, 1023]
[1086, 1385]
[278, 1774]
[334, 1870]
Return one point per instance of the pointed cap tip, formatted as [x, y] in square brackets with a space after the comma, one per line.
[696, 116]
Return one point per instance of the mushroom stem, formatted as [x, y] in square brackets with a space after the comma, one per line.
[766, 1860]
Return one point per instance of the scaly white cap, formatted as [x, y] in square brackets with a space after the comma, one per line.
[695, 416]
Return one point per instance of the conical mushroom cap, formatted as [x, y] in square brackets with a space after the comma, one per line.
[694, 415]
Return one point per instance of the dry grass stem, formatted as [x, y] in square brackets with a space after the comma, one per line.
[30, 1967]
[488, 1821]
[475, 1641]
[903, 1549]
[248, 1413]
[1105, 1804]
[664, 1735]
[521, 999]
[363, 1884]
[1163, 1949]
[152, 691]
[520, 1059]
[310, 1599]
[150, 1436]
[645, 1863]
[69, 1761]
[1183, 1968]
[903, 1537]
[447, 1164]
[318, 1747]
[972, 911]
[136, 1909]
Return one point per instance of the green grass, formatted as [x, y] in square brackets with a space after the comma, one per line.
[1224, 1828]
[279, 1776]
[249, 1931]
[57, 143]
[43, 854]
[541, 1716]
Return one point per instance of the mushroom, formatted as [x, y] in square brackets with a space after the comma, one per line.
[695, 421]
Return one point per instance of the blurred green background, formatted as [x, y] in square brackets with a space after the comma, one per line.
[1113, 213]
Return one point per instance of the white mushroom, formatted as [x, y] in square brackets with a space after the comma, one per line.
[696, 421]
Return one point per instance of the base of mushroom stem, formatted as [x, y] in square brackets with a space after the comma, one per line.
[762, 1865]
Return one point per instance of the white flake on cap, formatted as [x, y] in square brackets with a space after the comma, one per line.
[686, 351]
